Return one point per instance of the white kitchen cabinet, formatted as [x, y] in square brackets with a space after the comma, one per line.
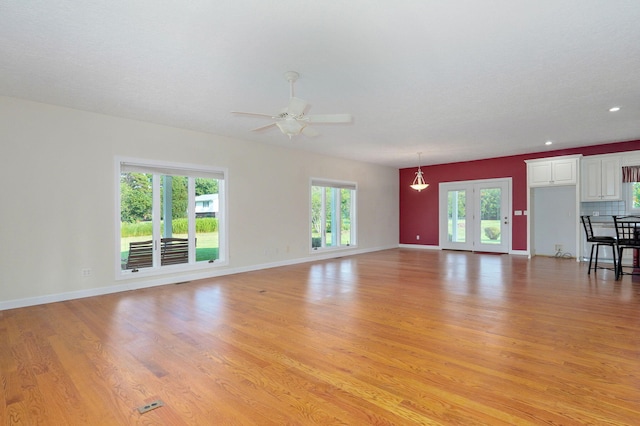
[553, 171]
[601, 178]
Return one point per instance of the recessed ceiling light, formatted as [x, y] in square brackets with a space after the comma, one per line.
[548, 143]
[614, 109]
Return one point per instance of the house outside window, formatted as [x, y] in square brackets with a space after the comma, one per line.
[333, 214]
[207, 205]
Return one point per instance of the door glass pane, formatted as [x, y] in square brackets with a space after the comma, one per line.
[207, 215]
[490, 201]
[316, 216]
[345, 217]
[174, 222]
[457, 201]
[136, 226]
[331, 234]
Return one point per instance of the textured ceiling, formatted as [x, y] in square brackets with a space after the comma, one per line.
[456, 80]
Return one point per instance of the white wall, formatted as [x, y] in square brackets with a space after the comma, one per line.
[57, 200]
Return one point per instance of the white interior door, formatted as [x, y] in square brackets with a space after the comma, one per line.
[476, 215]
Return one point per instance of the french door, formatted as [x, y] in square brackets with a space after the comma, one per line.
[476, 215]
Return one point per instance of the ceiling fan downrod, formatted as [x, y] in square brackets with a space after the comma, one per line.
[291, 77]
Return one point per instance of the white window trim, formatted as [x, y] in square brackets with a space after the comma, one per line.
[194, 170]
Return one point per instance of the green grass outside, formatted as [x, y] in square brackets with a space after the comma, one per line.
[345, 237]
[483, 224]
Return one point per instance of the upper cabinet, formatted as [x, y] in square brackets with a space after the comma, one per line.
[601, 177]
[553, 171]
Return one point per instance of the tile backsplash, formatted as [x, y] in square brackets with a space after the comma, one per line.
[604, 208]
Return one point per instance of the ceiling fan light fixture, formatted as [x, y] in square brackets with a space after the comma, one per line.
[418, 182]
[290, 127]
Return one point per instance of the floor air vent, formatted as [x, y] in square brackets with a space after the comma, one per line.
[150, 406]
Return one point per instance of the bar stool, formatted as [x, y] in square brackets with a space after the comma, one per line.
[596, 242]
[628, 237]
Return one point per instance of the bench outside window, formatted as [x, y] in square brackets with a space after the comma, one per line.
[172, 251]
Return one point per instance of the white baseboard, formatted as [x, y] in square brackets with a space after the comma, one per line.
[419, 246]
[163, 280]
[424, 247]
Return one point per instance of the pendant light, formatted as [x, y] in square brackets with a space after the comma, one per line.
[418, 183]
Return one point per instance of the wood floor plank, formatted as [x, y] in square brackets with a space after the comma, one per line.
[395, 337]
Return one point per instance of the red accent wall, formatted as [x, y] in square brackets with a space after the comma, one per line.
[419, 210]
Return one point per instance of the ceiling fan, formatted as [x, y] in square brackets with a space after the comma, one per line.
[292, 120]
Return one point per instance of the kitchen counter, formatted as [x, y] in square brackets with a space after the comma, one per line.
[602, 220]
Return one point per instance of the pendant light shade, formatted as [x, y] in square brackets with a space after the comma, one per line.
[418, 182]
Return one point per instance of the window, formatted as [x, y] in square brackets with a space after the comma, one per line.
[631, 185]
[632, 190]
[333, 214]
[170, 216]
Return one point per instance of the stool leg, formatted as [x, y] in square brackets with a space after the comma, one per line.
[590, 259]
[595, 266]
[619, 267]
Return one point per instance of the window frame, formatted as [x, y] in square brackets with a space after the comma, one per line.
[335, 184]
[191, 171]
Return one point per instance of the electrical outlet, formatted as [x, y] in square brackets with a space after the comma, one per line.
[417, 237]
[558, 248]
[86, 272]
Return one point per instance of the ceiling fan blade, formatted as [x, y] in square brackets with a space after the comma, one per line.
[296, 107]
[263, 127]
[258, 114]
[310, 131]
[329, 118]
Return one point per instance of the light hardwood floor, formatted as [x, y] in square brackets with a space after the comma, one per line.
[393, 337]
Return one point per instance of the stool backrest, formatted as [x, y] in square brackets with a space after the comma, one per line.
[588, 229]
[627, 230]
